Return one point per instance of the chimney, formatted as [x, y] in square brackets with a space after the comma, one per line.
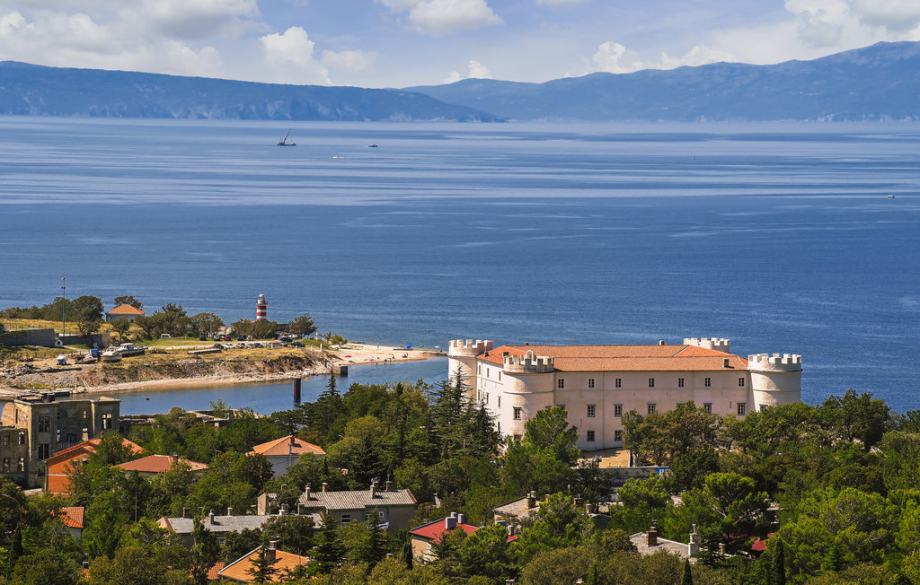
[461, 519]
[652, 536]
[531, 500]
[229, 511]
[284, 510]
[325, 487]
[211, 517]
[373, 489]
[184, 511]
[271, 551]
[693, 548]
[306, 494]
[388, 486]
[293, 441]
[451, 521]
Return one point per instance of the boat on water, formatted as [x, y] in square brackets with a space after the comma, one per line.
[285, 142]
[890, 196]
[122, 351]
[373, 146]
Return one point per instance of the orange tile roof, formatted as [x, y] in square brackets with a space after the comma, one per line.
[159, 464]
[125, 310]
[281, 446]
[72, 516]
[239, 569]
[214, 571]
[624, 358]
[59, 464]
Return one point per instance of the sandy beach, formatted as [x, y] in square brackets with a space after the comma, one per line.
[230, 367]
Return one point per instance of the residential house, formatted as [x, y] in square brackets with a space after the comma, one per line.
[72, 517]
[157, 464]
[284, 452]
[60, 464]
[424, 537]
[183, 526]
[283, 562]
[649, 543]
[127, 313]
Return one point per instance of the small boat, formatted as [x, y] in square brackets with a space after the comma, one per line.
[284, 141]
[890, 196]
[129, 349]
[111, 355]
[373, 146]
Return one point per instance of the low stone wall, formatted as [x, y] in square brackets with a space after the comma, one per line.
[102, 340]
[40, 337]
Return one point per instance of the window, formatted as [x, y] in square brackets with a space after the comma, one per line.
[742, 408]
[651, 382]
[619, 382]
[6, 465]
[617, 410]
[741, 382]
[44, 423]
[21, 465]
[562, 406]
[763, 407]
[618, 436]
[707, 382]
[652, 407]
[499, 376]
[590, 436]
[346, 518]
[5, 440]
[106, 422]
[85, 414]
[517, 413]
[22, 438]
[707, 407]
[499, 400]
[680, 382]
[591, 382]
[479, 368]
[560, 383]
[591, 410]
[44, 450]
[487, 372]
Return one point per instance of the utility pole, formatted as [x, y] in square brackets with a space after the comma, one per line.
[64, 304]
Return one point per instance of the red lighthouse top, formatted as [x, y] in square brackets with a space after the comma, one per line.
[261, 308]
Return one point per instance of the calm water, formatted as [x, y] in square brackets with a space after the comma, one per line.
[269, 398]
[779, 237]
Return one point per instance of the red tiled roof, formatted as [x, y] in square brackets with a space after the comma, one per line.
[435, 529]
[72, 516]
[624, 358]
[159, 464]
[59, 464]
[760, 545]
[125, 310]
[287, 445]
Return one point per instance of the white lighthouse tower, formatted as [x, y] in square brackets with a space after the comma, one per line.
[261, 308]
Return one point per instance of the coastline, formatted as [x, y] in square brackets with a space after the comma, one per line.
[352, 354]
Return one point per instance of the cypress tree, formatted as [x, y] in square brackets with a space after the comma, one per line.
[15, 551]
[263, 569]
[330, 550]
[687, 577]
[778, 558]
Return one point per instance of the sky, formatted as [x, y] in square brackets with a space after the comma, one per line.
[400, 43]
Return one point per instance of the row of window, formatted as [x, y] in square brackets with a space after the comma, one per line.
[5, 439]
[618, 382]
[346, 518]
[652, 408]
[20, 465]
[617, 436]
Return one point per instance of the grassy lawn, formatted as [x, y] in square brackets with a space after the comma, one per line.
[17, 324]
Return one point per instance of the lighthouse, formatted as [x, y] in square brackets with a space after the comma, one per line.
[261, 308]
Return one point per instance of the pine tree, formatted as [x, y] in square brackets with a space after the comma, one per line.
[14, 552]
[204, 552]
[778, 562]
[263, 568]
[687, 577]
[329, 552]
[593, 578]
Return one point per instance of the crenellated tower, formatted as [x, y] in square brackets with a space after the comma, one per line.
[529, 363]
[716, 343]
[461, 358]
[775, 379]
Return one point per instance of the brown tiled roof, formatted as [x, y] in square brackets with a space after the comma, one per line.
[624, 358]
[59, 464]
[239, 569]
[357, 499]
[214, 571]
[72, 516]
[287, 445]
[125, 310]
[159, 464]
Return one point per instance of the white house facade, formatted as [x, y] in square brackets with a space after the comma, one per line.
[598, 384]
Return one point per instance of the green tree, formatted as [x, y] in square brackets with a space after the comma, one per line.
[263, 568]
[135, 565]
[329, 551]
[687, 574]
[302, 325]
[206, 324]
[559, 523]
[46, 567]
[293, 533]
[205, 551]
[88, 327]
[486, 553]
[106, 520]
[128, 300]
[858, 417]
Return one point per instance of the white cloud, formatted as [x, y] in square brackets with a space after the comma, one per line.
[441, 17]
[78, 40]
[474, 70]
[895, 15]
[290, 58]
[613, 57]
[350, 60]
[198, 18]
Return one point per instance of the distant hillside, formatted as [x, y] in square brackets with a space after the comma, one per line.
[49, 91]
[873, 83]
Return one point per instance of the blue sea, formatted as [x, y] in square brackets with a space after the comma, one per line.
[779, 236]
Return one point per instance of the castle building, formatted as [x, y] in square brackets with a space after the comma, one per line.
[34, 426]
[598, 384]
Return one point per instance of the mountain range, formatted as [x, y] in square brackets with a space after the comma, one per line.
[880, 82]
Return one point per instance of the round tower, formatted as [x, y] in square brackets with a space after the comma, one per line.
[461, 359]
[775, 379]
[261, 308]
